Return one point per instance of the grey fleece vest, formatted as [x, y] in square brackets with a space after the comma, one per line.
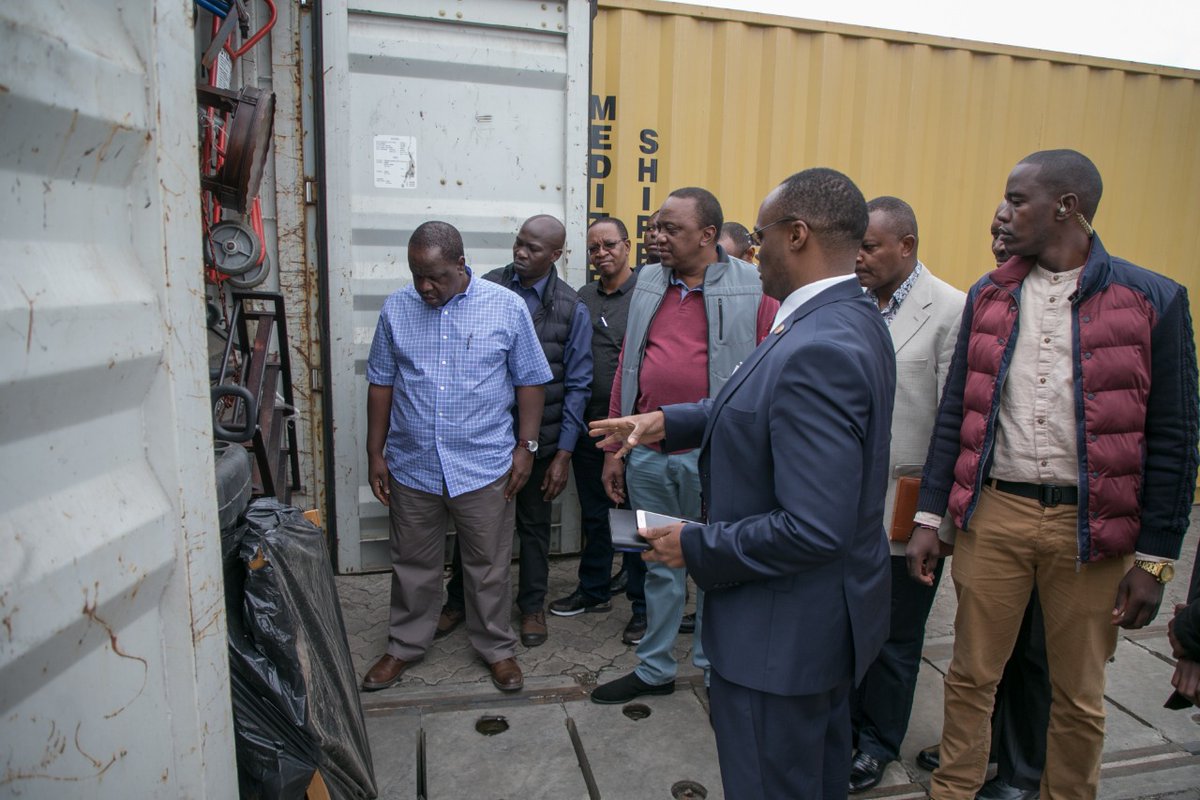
[732, 293]
[552, 323]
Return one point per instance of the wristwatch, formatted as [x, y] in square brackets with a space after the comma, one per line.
[1163, 571]
[530, 445]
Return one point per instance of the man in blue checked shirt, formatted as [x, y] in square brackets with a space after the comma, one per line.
[449, 354]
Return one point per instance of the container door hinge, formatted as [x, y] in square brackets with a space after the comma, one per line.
[315, 380]
[310, 192]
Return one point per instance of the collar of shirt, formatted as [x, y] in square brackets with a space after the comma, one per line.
[684, 290]
[538, 288]
[622, 289]
[804, 294]
[893, 306]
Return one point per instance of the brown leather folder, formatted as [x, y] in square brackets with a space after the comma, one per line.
[907, 489]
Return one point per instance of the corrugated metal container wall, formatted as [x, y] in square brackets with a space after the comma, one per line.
[735, 102]
[114, 677]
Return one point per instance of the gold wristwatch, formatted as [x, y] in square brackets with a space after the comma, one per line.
[1162, 571]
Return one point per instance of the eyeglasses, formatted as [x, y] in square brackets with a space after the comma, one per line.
[593, 249]
[756, 235]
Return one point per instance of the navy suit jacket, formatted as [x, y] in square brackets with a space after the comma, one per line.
[793, 465]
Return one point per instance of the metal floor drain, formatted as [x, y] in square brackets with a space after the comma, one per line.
[688, 790]
[491, 724]
[636, 711]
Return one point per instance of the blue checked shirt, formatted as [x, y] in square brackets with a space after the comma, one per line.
[452, 371]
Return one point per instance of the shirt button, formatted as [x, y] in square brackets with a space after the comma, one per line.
[444, 337]
[1091, 395]
[1041, 421]
[1041, 380]
[1046, 340]
[443, 363]
[1000, 340]
[1087, 319]
[441, 388]
[1043, 462]
[1091, 437]
[1052, 299]
[1087, 355]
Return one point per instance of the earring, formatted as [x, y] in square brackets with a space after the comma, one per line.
[1062, 209]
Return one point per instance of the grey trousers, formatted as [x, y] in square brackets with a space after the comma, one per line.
[483, 520]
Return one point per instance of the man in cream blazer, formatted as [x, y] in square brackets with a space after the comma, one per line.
[922, 314]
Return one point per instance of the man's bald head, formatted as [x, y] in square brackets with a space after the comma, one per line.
[547, 227]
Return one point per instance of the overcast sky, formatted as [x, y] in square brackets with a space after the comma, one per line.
[1151, 31]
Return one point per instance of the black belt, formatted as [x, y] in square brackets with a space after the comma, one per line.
[1047, 494]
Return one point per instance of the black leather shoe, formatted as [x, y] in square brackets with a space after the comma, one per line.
[865, 772]
[687, 624]
[622, 690]
[618, 582]
[635, 630]
[998, 789]
[930, 758]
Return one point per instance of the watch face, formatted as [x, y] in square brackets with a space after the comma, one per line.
[1166, 573]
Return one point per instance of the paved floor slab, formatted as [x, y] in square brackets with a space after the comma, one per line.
[532, 759]
[644, 758]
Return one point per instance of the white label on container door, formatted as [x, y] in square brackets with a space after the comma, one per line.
[395, 162]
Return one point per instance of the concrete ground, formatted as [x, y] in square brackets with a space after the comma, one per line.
[557, 744]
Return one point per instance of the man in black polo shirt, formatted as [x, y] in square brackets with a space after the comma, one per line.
[607, 301]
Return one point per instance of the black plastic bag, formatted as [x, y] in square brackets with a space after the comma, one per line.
[295, 692]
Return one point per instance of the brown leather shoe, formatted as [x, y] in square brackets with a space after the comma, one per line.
[448, 620]
[533, 629]
[506, 675]
[386, 671]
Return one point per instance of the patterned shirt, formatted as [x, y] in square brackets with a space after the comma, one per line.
[889, 311]
[452, 371]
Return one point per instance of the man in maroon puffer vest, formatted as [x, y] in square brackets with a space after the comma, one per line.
[1065, 451]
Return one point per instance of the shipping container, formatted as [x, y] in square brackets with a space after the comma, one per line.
[472, 112]
[114, 674]
[736, 101]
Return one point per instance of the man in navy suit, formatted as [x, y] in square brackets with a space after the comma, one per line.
[793, 465]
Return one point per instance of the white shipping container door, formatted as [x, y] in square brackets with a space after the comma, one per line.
[113, 660]
[471, 112]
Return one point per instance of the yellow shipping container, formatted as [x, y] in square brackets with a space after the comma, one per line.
[735, 102]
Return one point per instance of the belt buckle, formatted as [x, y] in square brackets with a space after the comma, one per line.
[1049, 495]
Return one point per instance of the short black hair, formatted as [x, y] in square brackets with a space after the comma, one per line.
[708, 208]
[829, 202]
[1069, 171]
[736, 232]
[621, 229]
[899, 213]
[442, 235]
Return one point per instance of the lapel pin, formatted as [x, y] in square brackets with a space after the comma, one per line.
[778, 329]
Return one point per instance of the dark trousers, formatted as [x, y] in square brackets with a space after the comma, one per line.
[776, 746]
[533, 533]
[881, 705]
[596, 557]
[1022, 711]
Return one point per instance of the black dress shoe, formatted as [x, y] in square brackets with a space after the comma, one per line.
[930, 758]
[865, 772]
[622, 690]
[618, 582]
[999, 789]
